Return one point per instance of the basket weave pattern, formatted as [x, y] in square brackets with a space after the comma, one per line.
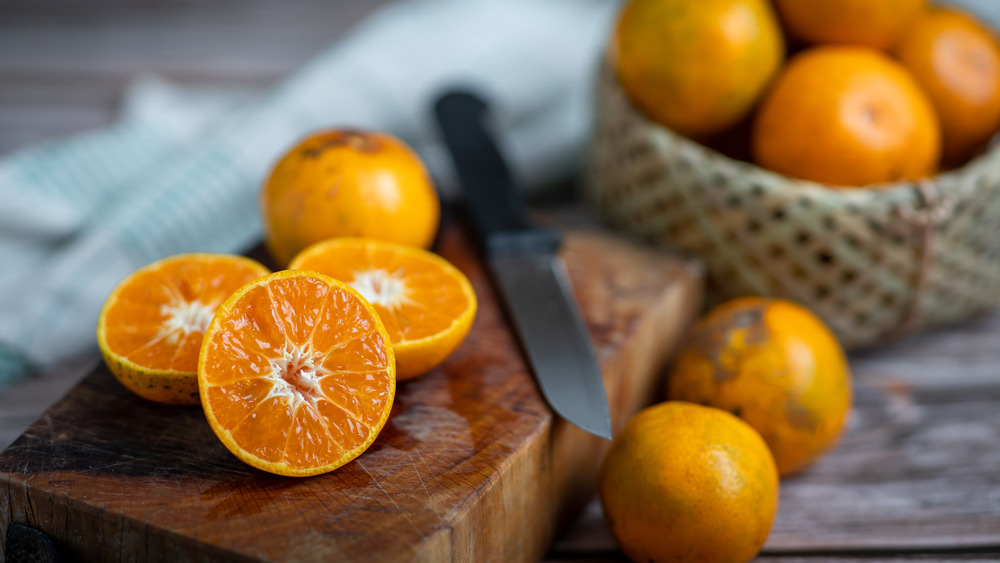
[874, 264]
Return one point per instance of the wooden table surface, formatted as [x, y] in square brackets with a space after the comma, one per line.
[916, 478]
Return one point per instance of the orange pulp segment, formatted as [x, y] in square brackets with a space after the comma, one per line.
[151, 326]
[296, 373]
[426, 303]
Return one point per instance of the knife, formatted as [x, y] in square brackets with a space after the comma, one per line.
[525, 265]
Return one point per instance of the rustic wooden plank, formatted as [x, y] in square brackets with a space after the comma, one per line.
[964, 355]
[617, 557]
[471, 465]
[63, 65]
[939, 557]
[22, 404]
[916, 469]
[234, 39]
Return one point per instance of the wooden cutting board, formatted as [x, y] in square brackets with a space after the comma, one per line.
[472, 464]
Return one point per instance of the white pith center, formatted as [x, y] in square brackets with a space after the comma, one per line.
[183, 318]
[380, 287]
[296, 375]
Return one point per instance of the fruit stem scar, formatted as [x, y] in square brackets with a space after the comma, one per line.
[360, 141]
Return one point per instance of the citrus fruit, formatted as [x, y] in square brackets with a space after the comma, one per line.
[151, 326]
[426, 304]
[847, 116]
[871, 23]
[773, 364]
[296, 373]
[957, 63]
[696, 67]
[683, 482]
[348, 183]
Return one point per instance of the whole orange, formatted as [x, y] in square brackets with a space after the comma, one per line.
[348, 183]
[776, 366]
[872, 23]
[696, 67]
[957, 63]
[849, 116]
[683, 482]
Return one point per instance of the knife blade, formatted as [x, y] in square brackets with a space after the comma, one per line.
[524, 262]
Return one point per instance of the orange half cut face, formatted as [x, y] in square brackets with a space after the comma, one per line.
[296, 373]
[426, 303]
[152, 324]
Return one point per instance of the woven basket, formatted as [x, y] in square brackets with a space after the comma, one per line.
[874, 264]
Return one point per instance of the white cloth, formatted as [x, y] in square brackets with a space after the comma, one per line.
[181, 170]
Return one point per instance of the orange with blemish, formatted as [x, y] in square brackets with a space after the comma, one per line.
[346, 183]
[773, 364]
[684, 482]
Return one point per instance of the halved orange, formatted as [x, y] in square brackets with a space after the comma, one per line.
[426, 303]
[296, 373]
[151, 325]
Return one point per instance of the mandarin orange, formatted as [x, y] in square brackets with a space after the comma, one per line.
[956, 60]
[426, 303]
[296, 373]
[848, 116]
[151, 326]
[684, 482]
[773, 364]
[696, 67]
[340, 183]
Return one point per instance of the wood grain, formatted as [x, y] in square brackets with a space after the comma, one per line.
[917, 469]
[472, 465]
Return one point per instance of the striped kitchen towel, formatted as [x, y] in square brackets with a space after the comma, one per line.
[181, 170]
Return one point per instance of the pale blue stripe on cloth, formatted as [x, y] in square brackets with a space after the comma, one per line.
[181, 170]
[50, 192]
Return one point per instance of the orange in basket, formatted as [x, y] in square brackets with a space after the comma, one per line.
[848, 116]
[956, 60]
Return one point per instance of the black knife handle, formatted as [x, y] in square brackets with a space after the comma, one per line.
[493, 201]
